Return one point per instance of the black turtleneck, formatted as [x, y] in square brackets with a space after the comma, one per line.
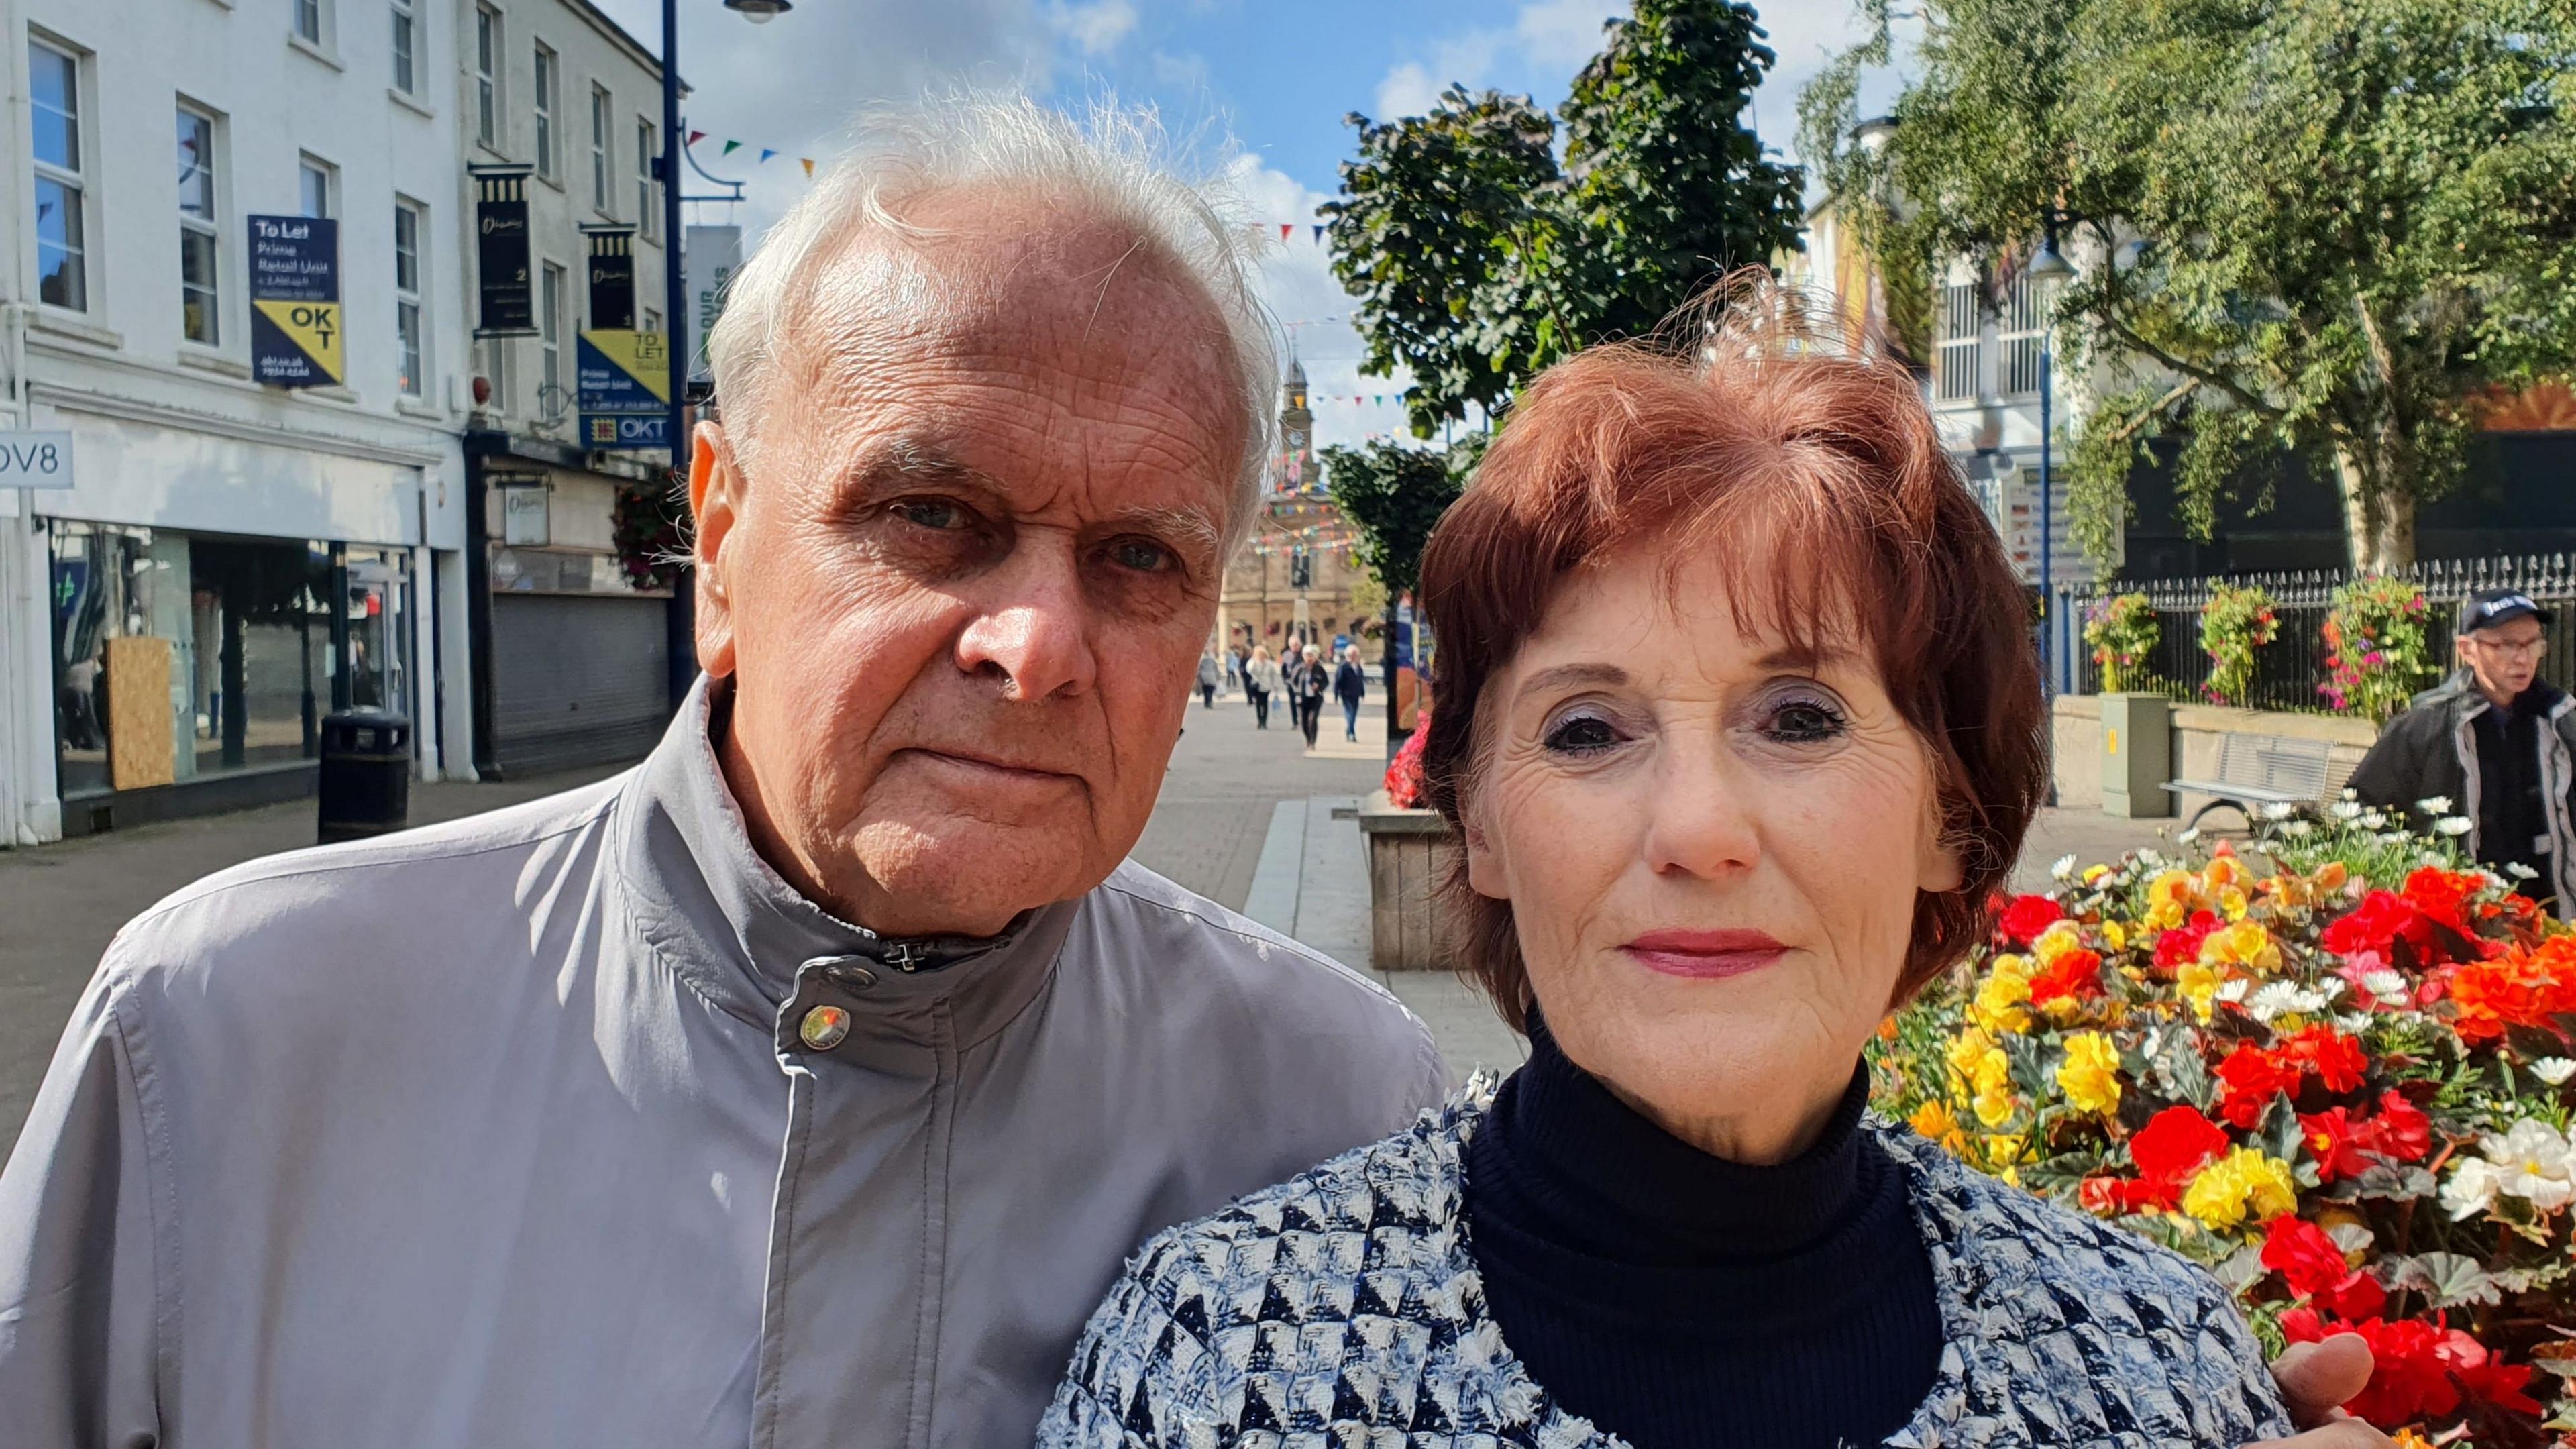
[1680, 1300]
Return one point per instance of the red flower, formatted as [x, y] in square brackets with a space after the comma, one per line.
[2248, 1079]
[2348, 1146]
[2309, 1261]
[2180, 946]
[2404, 1132]
[2175, 1145]
[2420, 1368]
[2521, 987]
[2382, 917]
[2027, 916]
[2075, 975]
[2440, 895]
[2336, 1059]
[2500, 1385]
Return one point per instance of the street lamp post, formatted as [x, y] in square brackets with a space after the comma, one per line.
[2048, 269]
[679, 630]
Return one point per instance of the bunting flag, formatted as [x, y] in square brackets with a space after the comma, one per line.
[808, 163]
[765, 154]
[1319, 233]
[695, 137]
[730, 147]
[1286, 227]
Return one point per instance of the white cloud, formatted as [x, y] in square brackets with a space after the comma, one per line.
[1180, 72]
[1408, 90]
[1096, 27]
[1296, 283]
[1563, 34]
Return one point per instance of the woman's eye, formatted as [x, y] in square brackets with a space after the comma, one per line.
[1805, 722]
[1581, 735]
[937, 513]
[1141, 554]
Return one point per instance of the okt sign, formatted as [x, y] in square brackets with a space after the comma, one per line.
[295, 336]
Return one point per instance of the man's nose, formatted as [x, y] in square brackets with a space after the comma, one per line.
[1032, 631]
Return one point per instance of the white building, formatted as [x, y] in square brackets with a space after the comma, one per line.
[232, 560]
[573, 659]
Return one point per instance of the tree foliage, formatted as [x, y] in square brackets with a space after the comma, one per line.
[1475, 259]
[1393, 494]
[2322, 227]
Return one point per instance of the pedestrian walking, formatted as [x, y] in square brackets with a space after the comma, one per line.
[1210, 676]
[2486, 744]
[1350, 685]
[1262, 680]
[1309, 685]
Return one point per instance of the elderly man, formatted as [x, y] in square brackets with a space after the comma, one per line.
[808, 1084]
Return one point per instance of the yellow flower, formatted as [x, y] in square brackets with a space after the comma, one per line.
[2093, 873]
[2224, 871]
[2114, 935]
[2003, 1149]
[2090, 1075]
[1997, 1008]
[1935, 1122]
[2232, 903]
[2060, 938]
[2244, 1185]
[2169, 899]
[2199, 982]
[2244, 944]
[1965, 1049]
[1993, 1079]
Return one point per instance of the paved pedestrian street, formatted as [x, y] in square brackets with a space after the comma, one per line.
[1247, 817]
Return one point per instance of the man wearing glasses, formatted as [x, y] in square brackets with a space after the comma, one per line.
[2495, 741]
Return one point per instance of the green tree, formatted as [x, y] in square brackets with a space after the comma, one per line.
[2327, 228]
[1475, 260]
[1393, 494]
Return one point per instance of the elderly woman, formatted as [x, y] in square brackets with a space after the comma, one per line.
[1740, 728]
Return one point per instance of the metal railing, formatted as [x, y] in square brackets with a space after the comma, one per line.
[2288, 671]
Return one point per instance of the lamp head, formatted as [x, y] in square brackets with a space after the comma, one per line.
[2049, 265]
[760, 12]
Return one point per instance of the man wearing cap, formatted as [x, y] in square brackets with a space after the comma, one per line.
[2496, 741]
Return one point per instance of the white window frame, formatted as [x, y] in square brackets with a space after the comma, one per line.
[2018, 338]
[308, 167]
[601, 153]
[551, 287]
[652, 320]
[206, 229]
[490, 124]
[548, 70]
[411, 341]
[310, 21]
[496, 371]
[1961, 345]
[74, 179]
[646, 135]
[405, 21]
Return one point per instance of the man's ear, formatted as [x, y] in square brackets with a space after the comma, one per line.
[715, 499]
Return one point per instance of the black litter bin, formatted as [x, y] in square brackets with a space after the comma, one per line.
[366, 774]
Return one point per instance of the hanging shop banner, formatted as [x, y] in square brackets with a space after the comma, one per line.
[625, 382]
[508, 301]
[707, 263]
[612, 277]
[295, 336]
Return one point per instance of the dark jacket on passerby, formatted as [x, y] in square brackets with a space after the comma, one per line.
[2511, 773]
[1309, 681]
[1350, 682]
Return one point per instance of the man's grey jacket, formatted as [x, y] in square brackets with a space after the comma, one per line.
[2431, 750]
[509, 1133]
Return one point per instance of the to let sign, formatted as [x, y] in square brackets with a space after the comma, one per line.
[35, 460]
[295, 336]
[624, 378]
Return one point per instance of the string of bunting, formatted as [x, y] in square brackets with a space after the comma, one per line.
[766, 153]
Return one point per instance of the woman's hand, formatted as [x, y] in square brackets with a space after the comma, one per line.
[2317, 1380]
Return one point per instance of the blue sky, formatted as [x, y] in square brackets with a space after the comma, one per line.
[1260, 87]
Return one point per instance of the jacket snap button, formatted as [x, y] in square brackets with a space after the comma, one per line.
[824, 1028]
[855, 978]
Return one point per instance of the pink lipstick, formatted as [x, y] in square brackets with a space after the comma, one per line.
[1705, 955]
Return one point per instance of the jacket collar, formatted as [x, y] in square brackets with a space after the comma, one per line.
[725, 920]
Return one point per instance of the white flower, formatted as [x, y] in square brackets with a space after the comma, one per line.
[2434, 804]
[2353, 1023]
[2452, 825]
[2388, 986]
[2065, 867]
[2532, 1160]
[2554, 1070]
[2332, 988]
[2472, 1188]
[2188, 836]
[2278, 810]
[2346, 808]
[2373, 820]
[2148, 857]
[2279, 998]
[2519, 871]
[2349, 793]
[2234, 989]
[2297, 828]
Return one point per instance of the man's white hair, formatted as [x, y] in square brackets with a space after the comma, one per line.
[1113, 162]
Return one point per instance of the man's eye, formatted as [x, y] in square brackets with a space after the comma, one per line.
[936, 513]
[1581, 735]
[1141, 554]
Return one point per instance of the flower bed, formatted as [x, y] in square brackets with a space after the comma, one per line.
[2335, 1067]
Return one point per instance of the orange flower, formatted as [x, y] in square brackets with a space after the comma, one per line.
[2522, 987]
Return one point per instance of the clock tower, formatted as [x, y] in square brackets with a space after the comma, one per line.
[1297, 432]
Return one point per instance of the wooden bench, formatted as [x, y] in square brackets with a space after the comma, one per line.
[2256, 770]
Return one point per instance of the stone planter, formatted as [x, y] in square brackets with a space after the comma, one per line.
[1409, 853]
